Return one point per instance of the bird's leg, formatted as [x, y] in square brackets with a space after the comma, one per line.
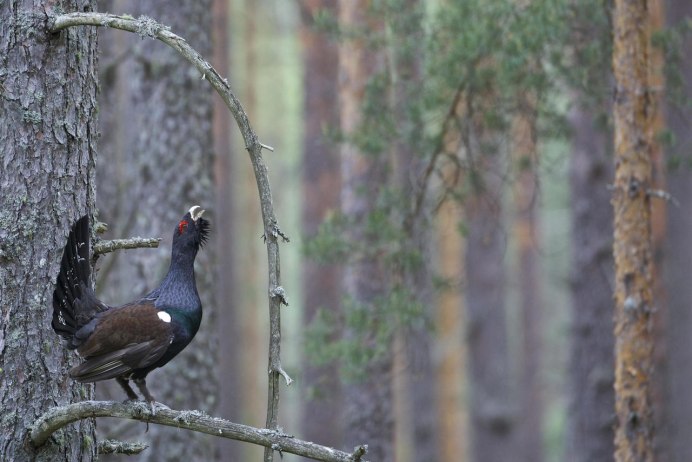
[126, 386]
[142, 385]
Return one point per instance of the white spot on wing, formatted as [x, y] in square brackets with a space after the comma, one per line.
[163, 316]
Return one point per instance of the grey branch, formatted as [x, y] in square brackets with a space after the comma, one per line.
[120, 447]
[147, 27]
[106, 246]
[57, 417]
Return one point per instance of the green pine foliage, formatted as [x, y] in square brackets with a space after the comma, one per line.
[488, 55]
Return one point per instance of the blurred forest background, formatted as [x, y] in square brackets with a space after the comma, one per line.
[442, 169]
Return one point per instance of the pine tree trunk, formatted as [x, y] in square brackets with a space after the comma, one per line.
[321, 183]
[451, 351]
[590, 384]
[254, 321]
[492, 417]
[230, 394]
[48, 135]
[678, 254]
[632, 249]
[659, 212]
[165, 167]
[406, 50]
[526, 233]
[369, 406]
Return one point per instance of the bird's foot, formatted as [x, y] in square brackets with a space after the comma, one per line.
[154, 405]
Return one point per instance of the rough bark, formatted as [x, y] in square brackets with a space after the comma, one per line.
[526, 232]
[678, 255]
[590, 384]
[165, 167]
[321, 185]
[632, 246]
[48, 134]
[369, 406]
[492, 417]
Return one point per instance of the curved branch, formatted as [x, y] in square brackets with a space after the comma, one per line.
[57, 417]
[147, 27]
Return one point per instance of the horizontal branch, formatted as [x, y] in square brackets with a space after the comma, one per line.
[57, 417]
[120, 447]
[106, 246]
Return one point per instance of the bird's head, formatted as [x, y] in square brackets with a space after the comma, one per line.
[192, 230]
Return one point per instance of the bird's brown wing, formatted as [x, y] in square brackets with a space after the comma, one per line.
[121, 340]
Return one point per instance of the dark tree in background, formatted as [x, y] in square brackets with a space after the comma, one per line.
[161, 168]
[369, 406]
[230, 400]
[589, 433]
[321, 185]
[492, 414]
[411, 263]
[48, 138]
[678, 247]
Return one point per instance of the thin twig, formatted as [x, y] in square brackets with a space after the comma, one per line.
[665, 195]
[147, 27]
[105, 246]
[57, 417]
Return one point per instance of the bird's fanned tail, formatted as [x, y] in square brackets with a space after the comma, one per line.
[74, 302]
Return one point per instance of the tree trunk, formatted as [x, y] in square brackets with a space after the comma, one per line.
[526, 232]
[678, 253]
[166, 167]
[591, 398]
[492, 418]
[632, 247]
[405, 19]
[369, 405]
[451, 351]
[48, 134]
[231, 394]
[659, 212]
[321, 183]
[254, 321]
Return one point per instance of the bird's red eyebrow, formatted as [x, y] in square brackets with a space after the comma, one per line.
[181, 226]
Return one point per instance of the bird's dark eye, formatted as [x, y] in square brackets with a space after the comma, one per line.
[181, 226]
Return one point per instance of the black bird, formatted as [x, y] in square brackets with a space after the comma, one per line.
[129, 341]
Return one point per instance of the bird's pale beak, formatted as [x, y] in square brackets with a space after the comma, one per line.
[196, 212]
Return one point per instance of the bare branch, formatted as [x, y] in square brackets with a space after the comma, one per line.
[57, 417]
[665, 195]
[106, 246]
[120, 447]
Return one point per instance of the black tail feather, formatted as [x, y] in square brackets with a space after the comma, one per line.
[74, 302]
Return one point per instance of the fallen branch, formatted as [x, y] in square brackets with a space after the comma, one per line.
[106, 246]
[57, 417]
